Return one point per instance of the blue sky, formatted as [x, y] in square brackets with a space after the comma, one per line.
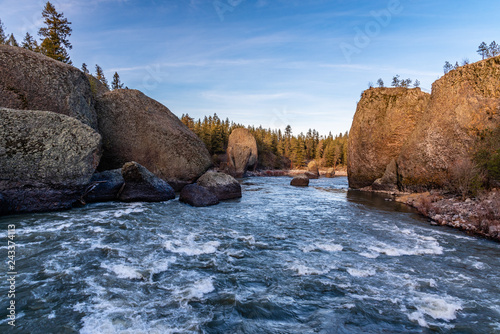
[263, 62]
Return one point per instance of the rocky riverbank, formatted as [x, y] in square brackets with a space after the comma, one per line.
[325, 172]
[477, 216]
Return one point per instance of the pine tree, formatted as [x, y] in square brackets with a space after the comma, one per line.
[416, 84]
[85, 69]
[30, 43]
[483, 50]
[99, 75]
[494, 49]
[380, 82]
[3, 37]
[55, 35]
[447, 67]
[395, 81]
[116, 84]
[12, 41]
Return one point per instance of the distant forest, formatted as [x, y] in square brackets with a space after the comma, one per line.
[277, 149]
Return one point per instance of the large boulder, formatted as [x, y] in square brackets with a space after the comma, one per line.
[242, 152]
[330, 173]
[300, 181]
[143, 186]
[224, 186]
[384, 119]
[32, 81]
[198, 196]
[46, 159]
[104, 186]
[137, 128]
[464, 103]
[313, 169]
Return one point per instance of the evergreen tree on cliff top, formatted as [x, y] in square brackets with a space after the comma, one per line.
[116, 83]
[30, 43]
[3, 38]
[55, 35]
[99, 75]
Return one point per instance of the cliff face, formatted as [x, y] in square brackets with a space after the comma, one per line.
[463, 103]
[384, 119]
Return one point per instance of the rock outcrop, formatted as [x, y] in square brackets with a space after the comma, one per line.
[137, 128]
[104, 186]
[313, 169]
[46, 159]
[464, 102]
[143, 186]
[384, 120]
[300, 181]
[32, 81]
[198, 196]
[224, 186]
[242, 152]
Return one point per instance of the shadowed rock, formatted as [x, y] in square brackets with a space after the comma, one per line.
[137, 128]
[46, 159]
[389, 181]
[198, 196]
[224, 186]
[32, 81]
[104, 186]
[143, 186]
[300, 181]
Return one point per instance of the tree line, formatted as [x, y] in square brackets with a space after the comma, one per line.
[276, 148]
[54, 42]
[396, 82]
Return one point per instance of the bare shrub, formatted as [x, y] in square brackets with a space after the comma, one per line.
[465, 178]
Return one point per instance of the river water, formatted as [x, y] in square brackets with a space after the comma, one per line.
[320, 259]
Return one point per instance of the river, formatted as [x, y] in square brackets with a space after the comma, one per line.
[281, 259]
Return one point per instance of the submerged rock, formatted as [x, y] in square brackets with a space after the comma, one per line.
[224, 186]
[137, 128]
[32, 81]
[198, 196]
[242, 152]
[384, 120]
[143, 186]
[104, 186]
[300, 181]
[46, 159]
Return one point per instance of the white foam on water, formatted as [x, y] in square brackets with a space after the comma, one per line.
[162, 265]
[191, 248]
[322, 246]
[437, 307]
[303, 270]
[431, 248]
[132, 208]
[370, 255]
[123, 271]
[97, 324]
[361, 272]
[200, 288]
